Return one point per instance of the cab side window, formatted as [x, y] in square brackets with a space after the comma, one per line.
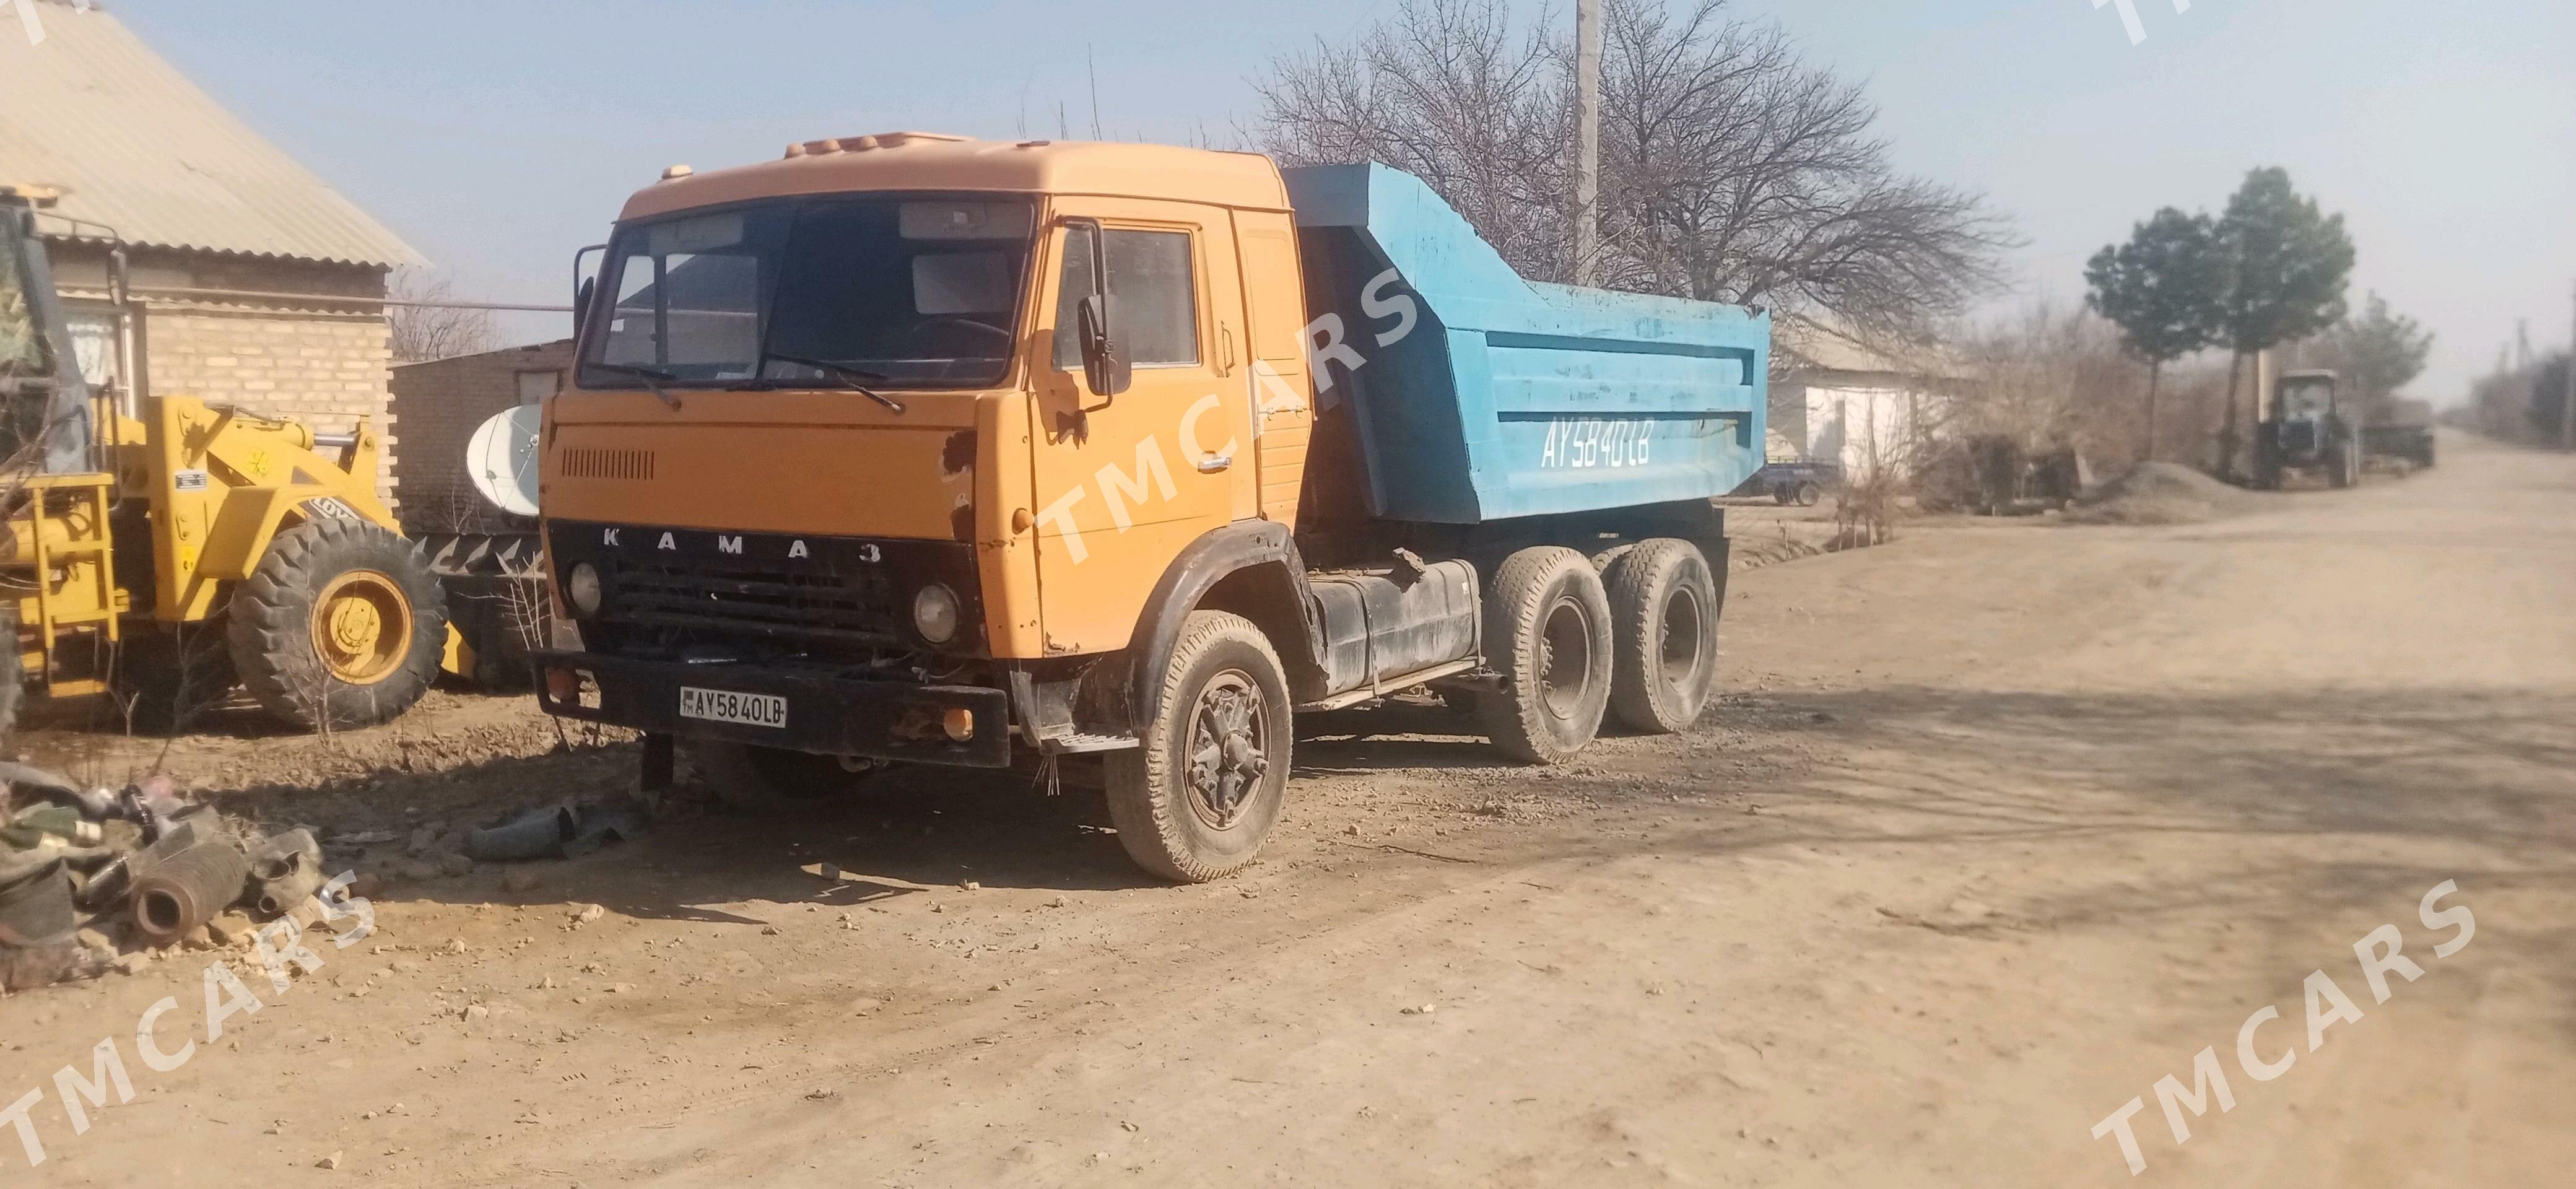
[1153, 302]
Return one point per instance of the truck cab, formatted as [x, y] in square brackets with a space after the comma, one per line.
[909, 448]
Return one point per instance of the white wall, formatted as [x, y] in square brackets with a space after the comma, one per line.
[1862, 427]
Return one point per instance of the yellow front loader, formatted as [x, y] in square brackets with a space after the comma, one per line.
[166, 559]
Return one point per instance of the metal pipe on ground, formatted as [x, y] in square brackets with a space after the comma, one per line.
[192, 875]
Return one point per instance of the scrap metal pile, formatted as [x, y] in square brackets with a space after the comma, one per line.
[92, 881]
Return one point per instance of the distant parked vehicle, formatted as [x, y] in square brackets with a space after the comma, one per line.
[2311, 430]
[2399, 429]
[1800, 483]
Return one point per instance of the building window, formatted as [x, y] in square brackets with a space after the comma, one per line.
[537, 386]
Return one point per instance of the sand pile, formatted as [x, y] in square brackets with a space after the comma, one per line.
[2161, 493]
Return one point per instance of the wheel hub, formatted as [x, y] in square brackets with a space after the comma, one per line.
[361, 627]
[1680, 646]
[1564, 659]
[1228, 754]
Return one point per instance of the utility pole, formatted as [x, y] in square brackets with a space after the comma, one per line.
[2567, 403]
[1587, 140]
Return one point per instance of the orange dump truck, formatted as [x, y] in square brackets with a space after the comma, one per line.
[917, 449]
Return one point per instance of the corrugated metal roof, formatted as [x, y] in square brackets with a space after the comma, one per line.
[136, 146]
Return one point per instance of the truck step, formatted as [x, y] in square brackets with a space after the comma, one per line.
[1392, 685]
[1079, 743]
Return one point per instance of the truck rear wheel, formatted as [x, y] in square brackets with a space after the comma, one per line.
[1547, 630]
[1663, 608]
[1197, 800]
[342, 625]
[772, 780]
[2340, 464]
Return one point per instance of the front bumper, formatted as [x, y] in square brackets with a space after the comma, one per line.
[826, 715]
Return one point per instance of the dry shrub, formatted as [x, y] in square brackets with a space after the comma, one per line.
[2051, 379]
[1865, 513]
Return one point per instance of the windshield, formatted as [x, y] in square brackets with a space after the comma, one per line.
[918, 293]
[2306, 400]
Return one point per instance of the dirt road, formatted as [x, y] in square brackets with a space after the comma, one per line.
[1996, 827]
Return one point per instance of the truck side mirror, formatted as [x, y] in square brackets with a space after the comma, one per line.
[1104, 366]
[585, 272]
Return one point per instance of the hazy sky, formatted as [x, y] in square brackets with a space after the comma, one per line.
[498, 137]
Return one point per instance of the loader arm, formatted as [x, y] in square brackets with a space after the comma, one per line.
[227, 481]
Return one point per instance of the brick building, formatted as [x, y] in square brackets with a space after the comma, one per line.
[250, 282]
[440, 403]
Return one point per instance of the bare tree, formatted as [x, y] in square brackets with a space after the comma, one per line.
[431, 330]
[1731, 170]
[1444, 90]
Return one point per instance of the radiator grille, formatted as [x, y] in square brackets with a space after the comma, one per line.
[592, 463]
[708, 602]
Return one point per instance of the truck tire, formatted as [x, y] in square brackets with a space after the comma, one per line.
[2339, 466]
[1547, 631]
[772, 780]
[1663, 617]
[1197, 800]
[1809, 494]
[342, 625]
[169, 676]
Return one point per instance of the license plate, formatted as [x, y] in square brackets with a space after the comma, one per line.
[724, 705]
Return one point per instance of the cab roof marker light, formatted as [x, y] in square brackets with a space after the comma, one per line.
[880, 140]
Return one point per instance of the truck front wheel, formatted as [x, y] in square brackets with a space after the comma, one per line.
[1547, 630]
[1663, 607]
[1196, 800]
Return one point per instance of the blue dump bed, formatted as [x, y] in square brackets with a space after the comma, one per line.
[1510, 397]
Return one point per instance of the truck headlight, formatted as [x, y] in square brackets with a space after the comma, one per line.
[582, 587]
[934, 613]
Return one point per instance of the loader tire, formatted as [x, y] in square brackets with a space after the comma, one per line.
[1663, 614]
[1195, 802]
[1547, 631]
[342, 625]
[169, 678]
[773, 781]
